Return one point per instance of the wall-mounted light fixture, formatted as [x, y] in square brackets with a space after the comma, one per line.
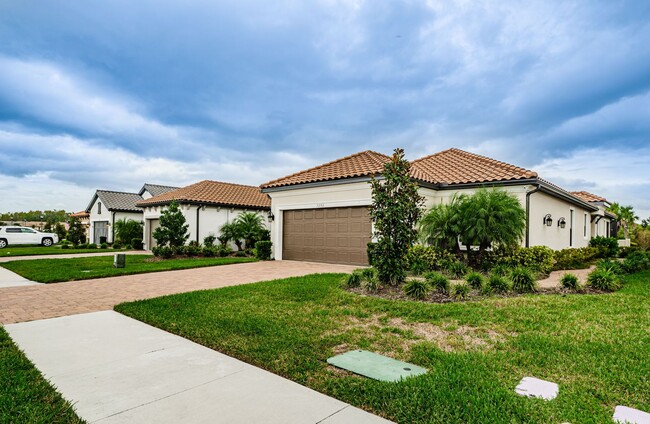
[548, 221]
[561, 222]
[271, 216]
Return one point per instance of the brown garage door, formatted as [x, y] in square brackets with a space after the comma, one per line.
[334, 235]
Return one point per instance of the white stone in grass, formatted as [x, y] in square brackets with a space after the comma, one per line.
[534, 387]
[623, 414]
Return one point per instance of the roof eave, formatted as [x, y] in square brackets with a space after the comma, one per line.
[204, 203]
[323, 183]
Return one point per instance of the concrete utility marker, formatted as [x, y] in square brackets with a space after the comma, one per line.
[534, 387]
[115, 369]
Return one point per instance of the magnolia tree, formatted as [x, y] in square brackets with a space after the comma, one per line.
[396, 208]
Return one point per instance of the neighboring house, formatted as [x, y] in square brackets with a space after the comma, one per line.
[108, 207]
[603, 223]
[84, 219]
[321, 214]
[206, 205]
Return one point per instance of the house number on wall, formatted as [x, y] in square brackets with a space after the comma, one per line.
[320, 205]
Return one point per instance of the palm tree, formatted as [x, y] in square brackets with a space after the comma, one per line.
[624, 216]
[231, 232]
[491, 217]
[439, 226]
[250, 227]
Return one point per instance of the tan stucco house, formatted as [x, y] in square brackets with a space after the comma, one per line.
[321, 214]
[206, 205]
[107, 206]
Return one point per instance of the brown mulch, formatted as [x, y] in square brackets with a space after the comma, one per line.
[396, 293]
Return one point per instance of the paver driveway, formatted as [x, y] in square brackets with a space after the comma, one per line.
[18, 304]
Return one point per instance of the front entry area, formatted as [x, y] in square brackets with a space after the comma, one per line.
[100, 234]
[332, 235]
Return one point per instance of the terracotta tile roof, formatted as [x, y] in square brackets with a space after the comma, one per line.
[455, 166]
[82, 214]
[588, 197]
[213, 192]
[360, 164]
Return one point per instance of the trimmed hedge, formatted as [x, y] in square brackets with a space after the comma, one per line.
[263, 250]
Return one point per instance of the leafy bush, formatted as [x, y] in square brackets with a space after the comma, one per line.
[475, 280]
[457, 269]
[81, 246]
[636, 261]
[208, 241]
[498, 284]
[223, 251]
[570, 281]
[501, 270]
[536, 258]
[192, 250]
[137, 243]
[460, 291]
[209, 251]
[416, 288]
[605, 280]
[127, 229]
[263, 250]
[117, 245]
[523, 280]
[610, 265]
[103, 246]
[369, 279]
[65, 246]
[575, 258]
[437, 281]
[607, 245]
[163, 251]
[240, 254]
[623, 252]
[370, 249]
[193, 243]
[128, 247]
[428, 258]
[354, 279]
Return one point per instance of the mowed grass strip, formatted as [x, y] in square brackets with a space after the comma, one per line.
[594, 346]
[69, 269]
[11, 251]
[25, 396]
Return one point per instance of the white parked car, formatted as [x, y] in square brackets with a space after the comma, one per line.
[11, 235]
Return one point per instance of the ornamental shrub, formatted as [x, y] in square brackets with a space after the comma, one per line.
[92, 246]
[498, 284]
[575, 258]
[370, 248]
[501, 270]
[605, 280]
[536, 258]
[475, 280]
[438, 282]
[103, 246]
[173, 230]
[192, 250]
[570, 281]
[263, 250]
[428, 258]
[223, 251]
[457, 269]
[460, 291]
[636, 261]
[208, 241]
[610, 265]
[65, 246]
[137, 243]
[209, 251]
[117, 245]
[127, 229]
[416, 288]
[608, 246]
[370, 279]
[354, 279]
[523, 280]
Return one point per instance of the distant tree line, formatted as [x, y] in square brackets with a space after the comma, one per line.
[49, 216]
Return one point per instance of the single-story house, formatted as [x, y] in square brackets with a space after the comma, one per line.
[106, 207]
[321, 214]
[206, 205]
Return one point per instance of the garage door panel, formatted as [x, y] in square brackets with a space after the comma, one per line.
[336, 235]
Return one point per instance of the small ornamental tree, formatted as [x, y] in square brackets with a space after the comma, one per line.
[60, 231]
[396, 208]
[76, 234]
[173, 228]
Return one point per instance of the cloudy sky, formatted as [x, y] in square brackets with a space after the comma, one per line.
[97, 94]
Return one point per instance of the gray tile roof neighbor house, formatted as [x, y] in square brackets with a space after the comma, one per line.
[156, 189]
[117, 200]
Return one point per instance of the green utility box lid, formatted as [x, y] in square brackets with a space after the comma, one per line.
[375, 366]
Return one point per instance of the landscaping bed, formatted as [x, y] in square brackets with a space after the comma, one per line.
[69, 269]
[594, 347]
[25, 396]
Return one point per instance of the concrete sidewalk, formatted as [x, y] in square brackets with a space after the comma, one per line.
[11, 279]
[118, 370]
[72, 255]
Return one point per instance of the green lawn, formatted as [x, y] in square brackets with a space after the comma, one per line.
[42, 250]
[68, 269]
[594, 346]
[25, 396]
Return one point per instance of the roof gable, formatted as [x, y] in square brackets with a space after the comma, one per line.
[360, 164]
[213, 192]
[156, 189]
[116, 200]
[455, 166]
